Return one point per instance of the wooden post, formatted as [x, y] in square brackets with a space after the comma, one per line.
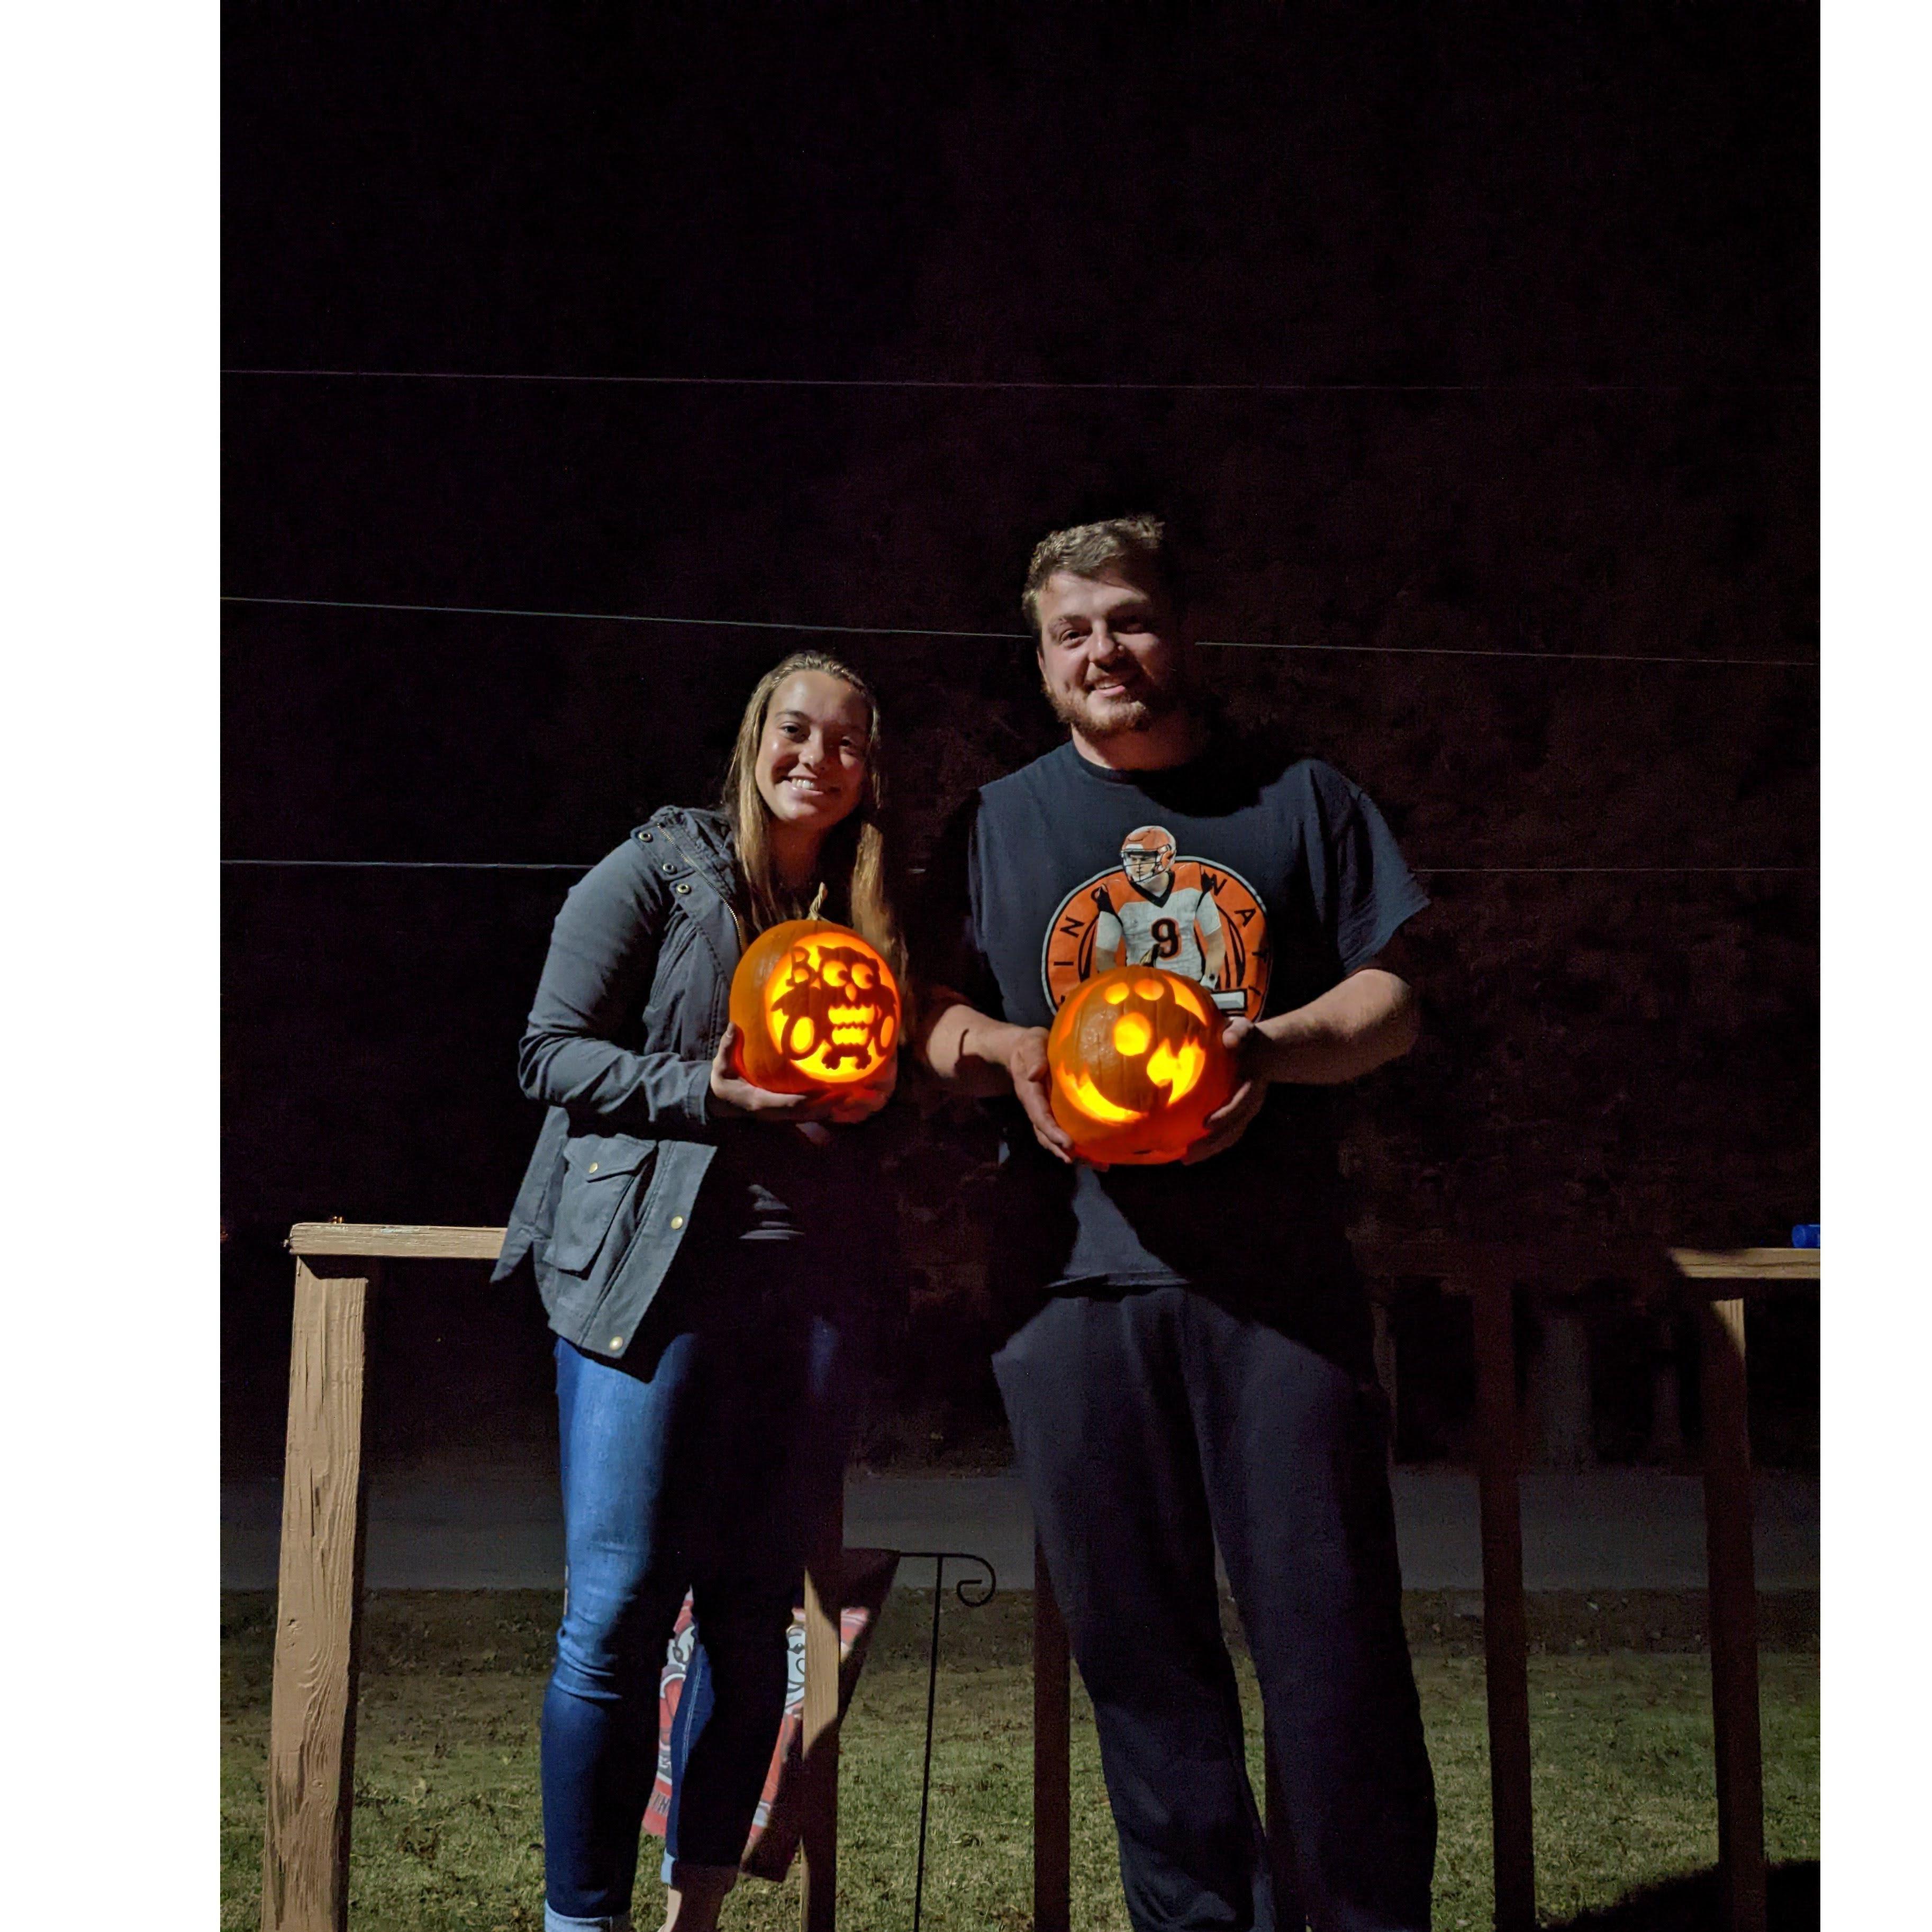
[1052, 1704]
[818, 1837]
[1733, 1614]
[1505, 1634]
[311, 1778]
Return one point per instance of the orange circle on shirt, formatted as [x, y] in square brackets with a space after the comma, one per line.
[1068, 956]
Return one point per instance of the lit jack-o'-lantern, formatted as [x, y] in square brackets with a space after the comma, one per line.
[815, 1007]
[1138, 1066]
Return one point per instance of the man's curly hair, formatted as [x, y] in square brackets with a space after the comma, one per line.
[1086, 549]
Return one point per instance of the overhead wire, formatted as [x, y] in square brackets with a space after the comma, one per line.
[1001, 636]
[566, 865]
[1026, 383]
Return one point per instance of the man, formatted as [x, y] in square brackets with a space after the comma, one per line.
[1195, 1367]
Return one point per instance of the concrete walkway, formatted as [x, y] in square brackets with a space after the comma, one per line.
[471, 1525]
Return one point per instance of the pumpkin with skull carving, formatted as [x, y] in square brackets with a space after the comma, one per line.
[816, 1007]
[1138, 1066]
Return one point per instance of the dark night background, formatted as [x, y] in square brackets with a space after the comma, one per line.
[1538, 291]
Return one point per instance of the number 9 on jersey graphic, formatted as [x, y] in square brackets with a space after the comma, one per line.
[1157, 908]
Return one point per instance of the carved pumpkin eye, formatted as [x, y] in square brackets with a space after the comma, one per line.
[1191, 1000]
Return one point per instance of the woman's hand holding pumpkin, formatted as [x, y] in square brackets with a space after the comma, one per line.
[1032, 1086]
[732, 1096]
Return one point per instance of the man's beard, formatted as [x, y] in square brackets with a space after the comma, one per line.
[1077, 711]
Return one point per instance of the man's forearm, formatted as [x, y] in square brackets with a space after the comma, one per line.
[1370, 1018]
[967, 1049]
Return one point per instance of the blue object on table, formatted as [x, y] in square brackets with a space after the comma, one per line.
[1805, 1235]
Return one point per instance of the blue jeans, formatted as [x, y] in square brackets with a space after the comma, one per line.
[696, 1462]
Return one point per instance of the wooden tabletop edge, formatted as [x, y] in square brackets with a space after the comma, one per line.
[1746, 1263]
[396, 1240]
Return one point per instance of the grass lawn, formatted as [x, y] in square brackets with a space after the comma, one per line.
[448, 1837]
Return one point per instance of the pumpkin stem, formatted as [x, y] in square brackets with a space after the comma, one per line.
[817, 900]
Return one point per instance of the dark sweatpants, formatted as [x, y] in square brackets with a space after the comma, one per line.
[1148, 1425]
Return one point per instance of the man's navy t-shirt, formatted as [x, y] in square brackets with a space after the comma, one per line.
[1269, 886]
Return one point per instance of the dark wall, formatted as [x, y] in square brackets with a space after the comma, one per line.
[1538, 291]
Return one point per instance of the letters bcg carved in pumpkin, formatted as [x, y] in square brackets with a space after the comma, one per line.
[816, 1007]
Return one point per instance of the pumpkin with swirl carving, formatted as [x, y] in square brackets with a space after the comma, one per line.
[1138, 1066]
[816, 1007]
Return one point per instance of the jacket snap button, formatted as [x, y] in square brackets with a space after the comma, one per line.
[670, 865]
[684, 889]
[677, 1221]
[617, 1341]
[591, 1169]
[645, 836]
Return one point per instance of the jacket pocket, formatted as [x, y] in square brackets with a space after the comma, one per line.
[602, 1173]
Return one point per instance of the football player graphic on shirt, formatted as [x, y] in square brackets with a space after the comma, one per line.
[1159, 909]
[1162, 924]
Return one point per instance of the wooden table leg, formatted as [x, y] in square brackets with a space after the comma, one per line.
[311, 1776]
[1052, 1896]
[824, 1598]
[1733, 1614]
[1505, 1635]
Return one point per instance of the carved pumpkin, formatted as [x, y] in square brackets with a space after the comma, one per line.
[1137, 1065]
[815, 1006]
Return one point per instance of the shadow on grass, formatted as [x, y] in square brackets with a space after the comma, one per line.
[1693, 1905]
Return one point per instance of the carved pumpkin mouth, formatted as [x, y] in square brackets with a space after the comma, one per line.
[1091, 1101]
[851, 1024]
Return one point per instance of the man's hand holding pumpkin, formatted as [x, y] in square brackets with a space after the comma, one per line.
[1229, 1122]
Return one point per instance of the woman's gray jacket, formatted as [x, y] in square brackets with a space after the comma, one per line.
[633, 999]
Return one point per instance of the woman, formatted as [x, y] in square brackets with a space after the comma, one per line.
[679, 1223]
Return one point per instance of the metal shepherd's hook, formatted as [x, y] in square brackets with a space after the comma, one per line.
[974, 1593]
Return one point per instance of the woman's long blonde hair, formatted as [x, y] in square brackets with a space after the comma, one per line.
[852, 861]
